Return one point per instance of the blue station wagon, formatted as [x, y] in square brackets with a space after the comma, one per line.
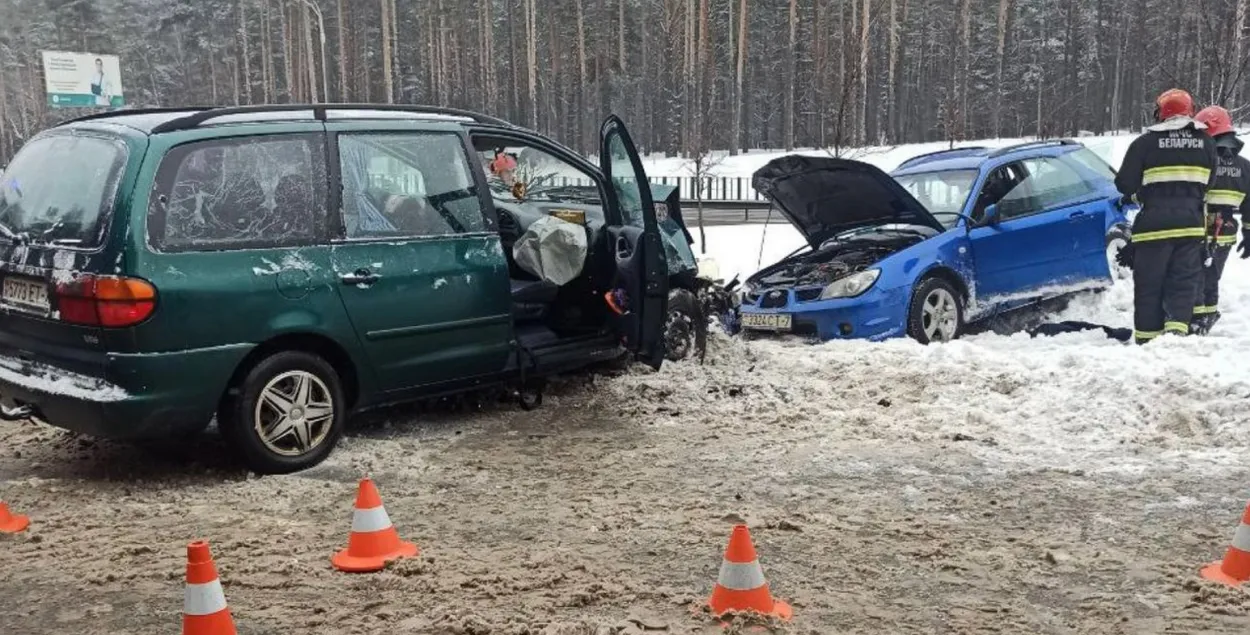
[949, 238]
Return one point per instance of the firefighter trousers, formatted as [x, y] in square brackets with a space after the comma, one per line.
[1166, 275]
[1218, 248]
[1208, 300]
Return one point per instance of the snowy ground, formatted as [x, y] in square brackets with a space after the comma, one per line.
[992, 485]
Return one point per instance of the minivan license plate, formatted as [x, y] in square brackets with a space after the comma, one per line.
[767, 321]
[25, 293]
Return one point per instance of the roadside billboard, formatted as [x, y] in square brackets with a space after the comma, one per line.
[82, 80]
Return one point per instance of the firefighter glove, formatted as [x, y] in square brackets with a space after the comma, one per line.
[1124, 257]
[1243, 247]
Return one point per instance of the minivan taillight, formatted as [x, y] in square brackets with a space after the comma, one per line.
[110, 301]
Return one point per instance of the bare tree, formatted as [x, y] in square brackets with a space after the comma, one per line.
[702, 169]
[861, 135]
[740, 73]
[245, 52]
[343, 50]
[531, 59]
[792, 53]
[1004, 8]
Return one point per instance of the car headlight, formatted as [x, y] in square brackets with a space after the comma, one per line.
[851, 285]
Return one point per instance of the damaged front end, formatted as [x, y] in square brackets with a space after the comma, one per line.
[855, 219]
[838, 269]
[835, 291]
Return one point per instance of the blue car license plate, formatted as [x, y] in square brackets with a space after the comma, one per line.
[767, 321]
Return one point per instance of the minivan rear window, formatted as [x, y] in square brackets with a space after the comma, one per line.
[59, 189]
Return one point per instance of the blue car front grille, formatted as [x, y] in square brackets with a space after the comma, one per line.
[775, 299]
[807, 295]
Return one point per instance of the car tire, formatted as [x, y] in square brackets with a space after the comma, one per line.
[685, 329]
[299, 382]
[1116, 239]
[936, 312]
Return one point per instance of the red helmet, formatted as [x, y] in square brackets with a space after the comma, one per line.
[1216, 119]
[1174, 103]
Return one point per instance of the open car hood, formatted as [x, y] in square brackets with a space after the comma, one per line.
[823, 196]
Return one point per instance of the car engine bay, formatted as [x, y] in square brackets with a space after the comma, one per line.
[835, 259]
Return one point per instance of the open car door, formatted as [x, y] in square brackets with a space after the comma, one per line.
[634, 238]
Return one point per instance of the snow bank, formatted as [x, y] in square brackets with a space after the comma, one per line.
[1076, 401]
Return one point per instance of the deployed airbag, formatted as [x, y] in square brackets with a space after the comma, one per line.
[552, 249]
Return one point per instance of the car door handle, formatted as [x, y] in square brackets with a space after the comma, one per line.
[1077, 214]
[361, 276]
[623, 249]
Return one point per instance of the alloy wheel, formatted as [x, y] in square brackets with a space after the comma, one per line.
[294, 413]
[940, 316]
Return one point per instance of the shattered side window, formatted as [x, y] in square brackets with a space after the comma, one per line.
[245, 193]
[407, 184]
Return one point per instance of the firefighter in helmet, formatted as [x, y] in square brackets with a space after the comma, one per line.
[1167, 170]
[1226, 197]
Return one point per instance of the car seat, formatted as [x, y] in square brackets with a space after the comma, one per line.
[531, 299]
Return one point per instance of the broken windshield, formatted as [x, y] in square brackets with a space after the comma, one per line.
[535, 175]
[59, 189]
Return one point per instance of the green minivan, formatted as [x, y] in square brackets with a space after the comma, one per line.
[282, 267]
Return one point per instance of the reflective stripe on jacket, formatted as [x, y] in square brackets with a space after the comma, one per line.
[1169, 169]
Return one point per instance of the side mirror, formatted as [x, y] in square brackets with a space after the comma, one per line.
[991, 215]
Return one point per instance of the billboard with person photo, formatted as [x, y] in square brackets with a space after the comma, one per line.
[82, 80]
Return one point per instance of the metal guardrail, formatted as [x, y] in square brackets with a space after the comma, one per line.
[730, 212]
[714, 188]
[720, 191]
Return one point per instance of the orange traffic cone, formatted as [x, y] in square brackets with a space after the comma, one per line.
[741, 585]
[373, 541]
[11, 523]
[204, 610]
[1234, 569]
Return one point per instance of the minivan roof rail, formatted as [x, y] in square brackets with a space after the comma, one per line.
[929, 156]
[199, 117]
[123, 112]
[1031, 144]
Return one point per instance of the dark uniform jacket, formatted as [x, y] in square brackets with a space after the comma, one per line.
[1227, 195]
[1168, 170]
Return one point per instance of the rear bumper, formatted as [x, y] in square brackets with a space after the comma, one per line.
[877, 315]
[139, 396]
